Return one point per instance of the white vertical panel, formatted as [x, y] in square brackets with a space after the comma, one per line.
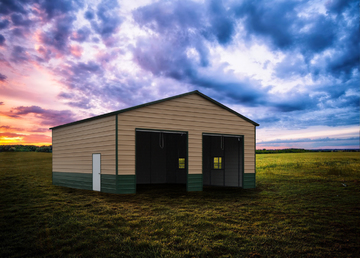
[96, 171]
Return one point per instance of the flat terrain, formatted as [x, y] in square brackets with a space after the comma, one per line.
[305, 205]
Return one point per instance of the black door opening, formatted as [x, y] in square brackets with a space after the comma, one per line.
[223, 157]
[161, 157]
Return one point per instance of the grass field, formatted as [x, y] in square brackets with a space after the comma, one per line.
[300, 208]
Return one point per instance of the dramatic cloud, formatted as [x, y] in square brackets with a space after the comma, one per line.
[287, 64]
[47, 117]
[4, 24]
[108, 18]
[2, 78]
[2, 40]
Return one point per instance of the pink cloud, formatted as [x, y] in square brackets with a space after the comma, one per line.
[76, 50]
[48, 117]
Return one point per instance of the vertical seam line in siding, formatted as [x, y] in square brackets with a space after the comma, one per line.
[116, 152]
[238, 160]
[255, 150]
[187, 161]
[243, 160]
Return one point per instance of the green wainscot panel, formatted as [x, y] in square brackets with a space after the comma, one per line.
[249, 181]
[108, 183]
[73, 180]
[125, 184]
[194, 182]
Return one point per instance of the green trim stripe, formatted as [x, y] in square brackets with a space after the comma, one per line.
[194, 182]
[73, 180]
[249, 181]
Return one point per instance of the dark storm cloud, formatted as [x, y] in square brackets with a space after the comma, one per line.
[56, 8]
[338, 6]
[222, 22]
[18, 20]
[183, 19]
[180, 50]
[272, 21]
[4, 23]
[58, 35]
[284, 29]
[183, 27]
[2, 78]
[81, 34]
[293, 101]
[2, 40]
[48, 117]
[19, 55]
[109, 18]
[10, 6]
[18, 32]
[346, 59]
[89, 14]
[281, 26]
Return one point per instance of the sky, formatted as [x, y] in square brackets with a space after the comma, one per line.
[291, 66]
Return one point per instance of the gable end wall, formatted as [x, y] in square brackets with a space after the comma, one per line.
[190, 113]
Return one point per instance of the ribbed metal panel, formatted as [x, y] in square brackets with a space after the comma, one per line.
[249, 180]
[126, 184]
[194, 182]
[108, 183]
[73, 180]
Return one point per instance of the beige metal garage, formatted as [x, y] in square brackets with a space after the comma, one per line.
[186, 139]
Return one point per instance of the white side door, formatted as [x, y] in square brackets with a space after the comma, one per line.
[96, 162]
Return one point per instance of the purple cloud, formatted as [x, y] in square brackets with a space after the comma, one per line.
[18, 20]
[108, 16]
[4, 23]
[48, 117]
[2, 40]
[19, 55]
[2, 77]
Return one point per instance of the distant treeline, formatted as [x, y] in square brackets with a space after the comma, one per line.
[265, 151]
[25, 148]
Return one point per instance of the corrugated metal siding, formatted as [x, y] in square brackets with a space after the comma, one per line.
[74, 145]
[190, 113]
[73, 180]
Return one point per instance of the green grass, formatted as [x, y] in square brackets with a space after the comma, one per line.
[300, 208]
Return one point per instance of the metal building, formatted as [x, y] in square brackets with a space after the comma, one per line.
[187, 139]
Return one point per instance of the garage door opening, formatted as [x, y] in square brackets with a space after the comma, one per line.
[161, 157]
[223, 158]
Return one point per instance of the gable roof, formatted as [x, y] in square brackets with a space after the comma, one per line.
[159, 101]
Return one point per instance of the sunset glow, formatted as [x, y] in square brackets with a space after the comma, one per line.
[291, 66]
